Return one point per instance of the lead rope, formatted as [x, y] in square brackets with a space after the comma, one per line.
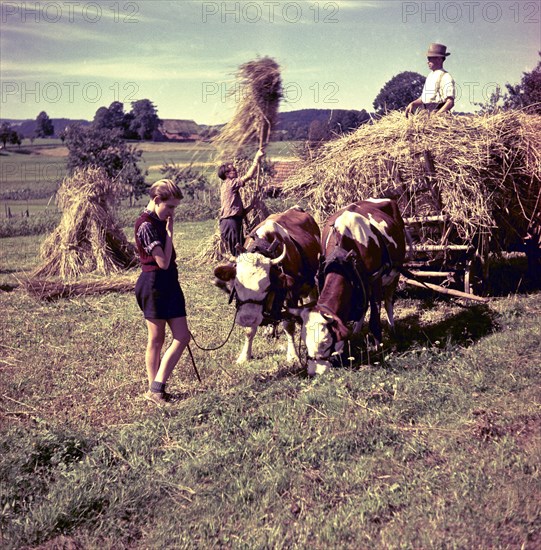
[210, 349]
[193, 363]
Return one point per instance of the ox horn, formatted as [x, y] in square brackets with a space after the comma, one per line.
[276, 261]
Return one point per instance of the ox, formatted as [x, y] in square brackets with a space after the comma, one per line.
[263, 284]
[363, 249]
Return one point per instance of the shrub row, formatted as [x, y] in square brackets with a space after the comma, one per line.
[38, 223]
[28, 194]
[35, 224]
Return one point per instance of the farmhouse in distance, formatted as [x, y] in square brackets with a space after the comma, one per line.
[178, 130]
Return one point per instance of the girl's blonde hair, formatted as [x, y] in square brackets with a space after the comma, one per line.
[165, 190]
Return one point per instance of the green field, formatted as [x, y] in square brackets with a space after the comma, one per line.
[436, 446]
[35, 170]
[31, 171]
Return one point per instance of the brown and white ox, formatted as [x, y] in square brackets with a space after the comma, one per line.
[363, 245]
[263, 284]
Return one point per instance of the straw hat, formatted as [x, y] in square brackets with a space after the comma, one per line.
[437, 50]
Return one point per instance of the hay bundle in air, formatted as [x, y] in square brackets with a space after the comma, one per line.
[258, 91]
[483, 172]
[88, 238]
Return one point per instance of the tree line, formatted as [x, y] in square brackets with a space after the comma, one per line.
[104, 143]
[140, 123]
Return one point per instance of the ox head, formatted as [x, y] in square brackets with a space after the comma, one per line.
[323, 335]
[253, 283]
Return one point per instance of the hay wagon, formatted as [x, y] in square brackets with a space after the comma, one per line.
[468, 187]
[439, 251]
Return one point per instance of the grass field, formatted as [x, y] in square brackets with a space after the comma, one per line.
[34, 171]
[437, 446]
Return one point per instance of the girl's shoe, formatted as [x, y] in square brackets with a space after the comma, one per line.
[156, 397]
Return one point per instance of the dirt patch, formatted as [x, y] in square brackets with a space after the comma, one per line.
[487, 427]
[490, 425]
[59, 543]
[527, 431]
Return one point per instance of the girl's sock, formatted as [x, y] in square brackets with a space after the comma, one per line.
[157, 387]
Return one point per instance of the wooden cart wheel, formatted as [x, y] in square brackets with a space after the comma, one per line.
[476, 275]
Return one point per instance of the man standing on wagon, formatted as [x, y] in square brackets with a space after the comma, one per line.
[439, 91]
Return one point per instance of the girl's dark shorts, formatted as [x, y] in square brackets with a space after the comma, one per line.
[159, 294]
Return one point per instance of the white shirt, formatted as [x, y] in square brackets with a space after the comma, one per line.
[439, 85]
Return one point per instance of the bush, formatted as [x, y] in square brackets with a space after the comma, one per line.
[187, 211]
[44, 222]
[197, 211]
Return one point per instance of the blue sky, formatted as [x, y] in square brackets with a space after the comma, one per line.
[70, 58]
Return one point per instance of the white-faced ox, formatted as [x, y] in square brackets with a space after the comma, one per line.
[363, 245]
[278, 268]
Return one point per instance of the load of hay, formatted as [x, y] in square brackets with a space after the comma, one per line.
[88, 238]
[482, 172]
[258, 91]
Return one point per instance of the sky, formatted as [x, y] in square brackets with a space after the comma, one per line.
[71, 58]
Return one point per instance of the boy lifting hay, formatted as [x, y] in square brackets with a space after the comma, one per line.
[261, 90]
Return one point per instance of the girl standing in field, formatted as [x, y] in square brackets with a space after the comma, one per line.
[158, 290]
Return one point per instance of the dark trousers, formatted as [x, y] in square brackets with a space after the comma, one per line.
[433, 106]
[231, 233]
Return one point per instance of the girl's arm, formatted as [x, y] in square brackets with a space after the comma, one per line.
[163, 257]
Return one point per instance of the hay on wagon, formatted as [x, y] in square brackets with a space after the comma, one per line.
[88, 238]
[482, 172]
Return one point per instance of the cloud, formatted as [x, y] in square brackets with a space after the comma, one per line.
[74, 13]
[355, 5]
[153, 68]
[14, 36]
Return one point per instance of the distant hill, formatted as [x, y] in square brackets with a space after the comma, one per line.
[293, 125]
[306, 123]
[27, 128]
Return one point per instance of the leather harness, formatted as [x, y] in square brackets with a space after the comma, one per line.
[350, 265]
[275, 297]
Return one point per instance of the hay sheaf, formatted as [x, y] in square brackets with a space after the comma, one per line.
[483, 172]
[88, 238]
[258, 91]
